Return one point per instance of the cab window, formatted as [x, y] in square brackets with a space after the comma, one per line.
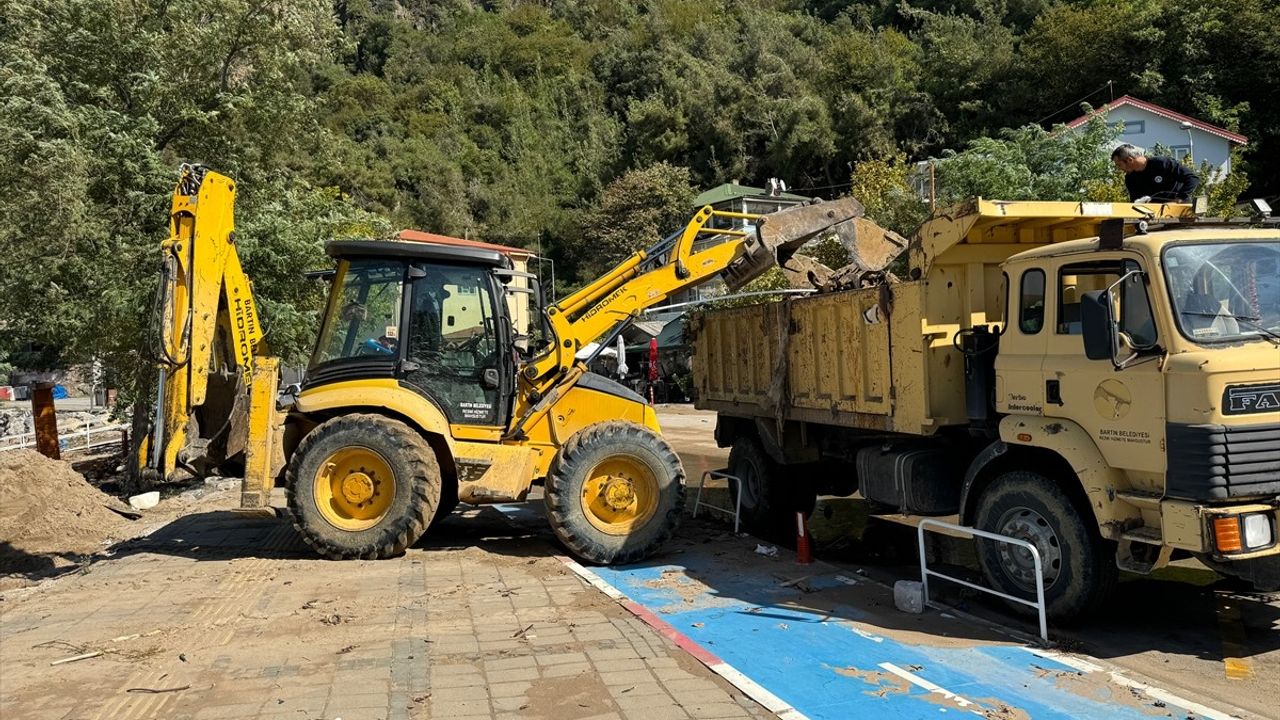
[1031, 302]
[364, 312]
[1133, 308]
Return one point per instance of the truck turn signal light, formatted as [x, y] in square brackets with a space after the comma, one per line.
[1226, 534]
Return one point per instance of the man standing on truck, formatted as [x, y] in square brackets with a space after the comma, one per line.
[1154, 179]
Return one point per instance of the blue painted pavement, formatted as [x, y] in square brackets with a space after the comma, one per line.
[828, 660]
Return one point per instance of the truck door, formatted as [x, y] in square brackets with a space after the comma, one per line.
[1123, 410]
[1020, 364]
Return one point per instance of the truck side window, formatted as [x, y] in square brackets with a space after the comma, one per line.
[1136, 317]
[1133, 308]
[1031, 304]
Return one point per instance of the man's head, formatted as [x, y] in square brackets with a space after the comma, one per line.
[1128, 158]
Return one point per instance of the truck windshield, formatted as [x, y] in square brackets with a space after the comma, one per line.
[1228, 291]
[363, 318]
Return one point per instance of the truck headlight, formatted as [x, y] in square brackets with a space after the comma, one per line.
[1257, 531]
[1242, 533]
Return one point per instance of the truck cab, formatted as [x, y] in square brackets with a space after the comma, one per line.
[1155, 359]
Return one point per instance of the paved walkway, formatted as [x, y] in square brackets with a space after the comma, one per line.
[221, 615]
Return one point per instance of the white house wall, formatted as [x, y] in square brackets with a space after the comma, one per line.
[1146, 130]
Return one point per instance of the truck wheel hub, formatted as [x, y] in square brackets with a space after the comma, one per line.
[1029, 525]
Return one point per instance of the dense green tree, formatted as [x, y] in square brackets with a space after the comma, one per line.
[1031, 163]
[569, 126]
[633, 212]
[885, 190]
[100, 101]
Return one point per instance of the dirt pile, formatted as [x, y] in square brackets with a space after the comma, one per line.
[50, 517]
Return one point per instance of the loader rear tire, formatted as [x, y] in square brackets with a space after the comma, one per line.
[615, 493]
[363, 486]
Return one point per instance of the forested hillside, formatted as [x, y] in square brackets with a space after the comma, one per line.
[509, 121]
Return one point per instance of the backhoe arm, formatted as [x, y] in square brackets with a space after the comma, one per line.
[206, 337]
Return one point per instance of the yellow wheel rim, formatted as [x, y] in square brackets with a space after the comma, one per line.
[620, 494]
[354, 488]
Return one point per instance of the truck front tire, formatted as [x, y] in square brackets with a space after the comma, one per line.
[1079, 566]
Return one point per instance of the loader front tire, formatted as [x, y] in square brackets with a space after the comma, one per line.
[615, 493]
[363, 486]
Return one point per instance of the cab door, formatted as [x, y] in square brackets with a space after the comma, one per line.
[1123, 410]
[457, 351]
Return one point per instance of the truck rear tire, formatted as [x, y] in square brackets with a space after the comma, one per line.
[615, 493]
[1079, 566]
[768, 506]
[363, 486]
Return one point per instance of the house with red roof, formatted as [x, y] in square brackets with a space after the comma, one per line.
[1146, 125]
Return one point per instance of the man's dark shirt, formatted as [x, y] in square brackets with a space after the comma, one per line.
[1163, 179]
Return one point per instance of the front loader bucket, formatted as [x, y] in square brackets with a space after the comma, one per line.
[780, 234]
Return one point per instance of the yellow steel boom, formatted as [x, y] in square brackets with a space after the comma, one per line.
[649, 277]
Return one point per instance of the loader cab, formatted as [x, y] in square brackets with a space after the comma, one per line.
[432, 317]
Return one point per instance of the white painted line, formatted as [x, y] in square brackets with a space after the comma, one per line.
[846, 580]
[1068, 660]
[1151, 691]
[594, 580]
[931, 687]
[867, 635]
[757, 692]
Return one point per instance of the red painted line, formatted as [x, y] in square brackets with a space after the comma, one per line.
[664, 628]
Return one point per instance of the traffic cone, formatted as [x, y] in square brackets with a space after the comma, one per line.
[804, 553]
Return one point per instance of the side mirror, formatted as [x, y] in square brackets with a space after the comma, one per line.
[1095, 325]
[489, 379]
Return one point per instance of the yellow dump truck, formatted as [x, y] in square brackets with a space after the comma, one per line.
[1102, 380]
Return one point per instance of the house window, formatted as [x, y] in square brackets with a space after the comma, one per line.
[1180, 151]
[1130, 127]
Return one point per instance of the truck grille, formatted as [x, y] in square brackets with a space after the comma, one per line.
[1215, 462]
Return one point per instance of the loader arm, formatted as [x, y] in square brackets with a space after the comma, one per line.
[644, 280]
[207, 338]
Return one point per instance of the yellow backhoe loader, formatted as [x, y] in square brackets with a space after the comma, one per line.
[419, 394]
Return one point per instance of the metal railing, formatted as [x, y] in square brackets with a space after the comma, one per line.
[78, 439]
[925, 572]
[737, 505]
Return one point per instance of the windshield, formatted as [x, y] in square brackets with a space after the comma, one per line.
[1225, 291]
[363, 319]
